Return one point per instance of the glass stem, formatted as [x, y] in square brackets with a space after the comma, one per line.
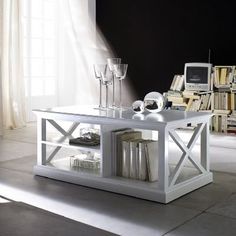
[106, 96]
[100, 93]
[120, 93]
[113, 90]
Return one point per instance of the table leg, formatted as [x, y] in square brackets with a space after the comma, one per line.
[163, 167]
[205, 147]
[41, 136]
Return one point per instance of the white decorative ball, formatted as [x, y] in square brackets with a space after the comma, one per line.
[154, 102]
[138, 106]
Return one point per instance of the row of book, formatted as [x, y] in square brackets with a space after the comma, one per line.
[224, 108]
[177, 83]
[224, 100]
[224, 121]
[224, 76]
[219, 123]
[135, 157]
[198, 101]
[190, 100]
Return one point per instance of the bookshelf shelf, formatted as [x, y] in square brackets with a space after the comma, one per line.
[66, 144]
[65, 164]
[170, 183]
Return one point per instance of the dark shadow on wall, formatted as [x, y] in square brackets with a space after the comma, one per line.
[156, 38]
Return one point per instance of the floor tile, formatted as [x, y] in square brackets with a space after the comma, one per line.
[14, 149]
[223, 159]
[26, 134]
[23, 164]
[225, 208]
[206, 225]
[227, 180]
[204, 197]
[19, 219]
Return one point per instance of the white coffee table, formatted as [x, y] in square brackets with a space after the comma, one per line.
[166, 189]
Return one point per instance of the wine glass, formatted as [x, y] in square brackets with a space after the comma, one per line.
[98, 70]
[120, 71]
[107, 78]
[111, 62]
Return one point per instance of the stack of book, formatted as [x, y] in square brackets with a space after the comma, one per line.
[198, 101]
[136, 158]
[178, 103]
[193, 100]
[175, 96]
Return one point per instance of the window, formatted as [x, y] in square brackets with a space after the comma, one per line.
[59, 50]
[40, 50]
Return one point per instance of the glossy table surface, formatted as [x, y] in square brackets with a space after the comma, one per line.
[165, 116]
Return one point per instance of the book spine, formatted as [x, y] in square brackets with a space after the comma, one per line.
[152, 160]
[217, 77]
[125, 159]
[133, 160]
[142, 164]
[172, 87]
[223, 74]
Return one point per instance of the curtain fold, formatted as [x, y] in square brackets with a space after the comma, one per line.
[89, 47]
[13, 112]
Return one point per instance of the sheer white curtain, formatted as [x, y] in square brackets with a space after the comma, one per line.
[89, 46]
[12, 100]
[79, 46]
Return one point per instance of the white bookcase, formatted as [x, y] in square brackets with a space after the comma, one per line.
[173, 180]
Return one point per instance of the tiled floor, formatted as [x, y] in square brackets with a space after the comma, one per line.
[20, 219]
[210, 210]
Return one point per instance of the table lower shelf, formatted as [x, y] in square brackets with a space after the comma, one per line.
[141, 189]
[64, 165]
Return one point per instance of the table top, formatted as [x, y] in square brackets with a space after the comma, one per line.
[127, 114]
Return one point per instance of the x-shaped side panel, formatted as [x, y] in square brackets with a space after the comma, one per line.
[65, 134]
[186, 152]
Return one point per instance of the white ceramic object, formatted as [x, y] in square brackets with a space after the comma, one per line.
[154, 102]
